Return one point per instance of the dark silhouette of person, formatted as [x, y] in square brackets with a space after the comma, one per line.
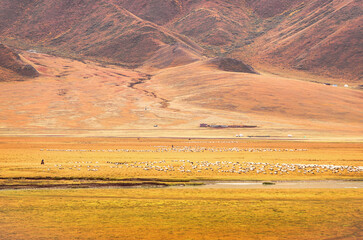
[42, 162]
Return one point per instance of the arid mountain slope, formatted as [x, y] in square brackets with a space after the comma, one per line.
[215, 25]
[160, 65]
[157, 11]
[85, 96]
[321, 37]
[267, 97]
[271, 8]
[93, 29]
[230, 65]
[11, 65]
[316, 36]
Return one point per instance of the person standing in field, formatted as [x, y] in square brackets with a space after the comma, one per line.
[42, 162]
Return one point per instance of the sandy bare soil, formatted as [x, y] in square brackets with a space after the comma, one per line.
[89, 99]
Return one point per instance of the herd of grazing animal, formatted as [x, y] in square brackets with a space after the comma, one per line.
[182, 149]
[208, 167]
[217, 167]
[187, 166]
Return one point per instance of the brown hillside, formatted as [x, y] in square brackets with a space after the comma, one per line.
[270, 8]
[85, 97]
[260, 97]
[10, 60]
[170, 56]
[92, 29]
[157, 11]
[215, 25]
[231, 65]
[209, 27]
[317, 37]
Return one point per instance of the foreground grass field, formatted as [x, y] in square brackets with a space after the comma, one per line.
[176, 212]
[181, 214]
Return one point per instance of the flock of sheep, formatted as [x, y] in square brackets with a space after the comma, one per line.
[217, 167]
[207, 167]
[187, 166]
[183, 149]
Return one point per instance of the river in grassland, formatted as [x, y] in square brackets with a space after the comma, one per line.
[333, 184]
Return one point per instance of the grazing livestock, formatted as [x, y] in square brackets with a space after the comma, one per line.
[206, 167]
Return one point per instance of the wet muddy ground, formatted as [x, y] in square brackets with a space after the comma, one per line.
[335, 184]
[325, 184]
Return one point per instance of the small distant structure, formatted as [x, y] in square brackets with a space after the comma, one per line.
[204, 125]
[335, 85]
[236, 126]
[239, 135]
[249, 126]
[289, 135]
[155, 125]
[346, 85]
[218, 126]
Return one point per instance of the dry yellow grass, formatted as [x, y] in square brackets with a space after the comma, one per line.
[96, 158]
[173, 213]
[181, 214]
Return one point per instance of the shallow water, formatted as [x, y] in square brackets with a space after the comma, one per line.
[333, 184]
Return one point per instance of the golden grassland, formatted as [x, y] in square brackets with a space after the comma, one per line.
[173, 212]
[181, 214]
[95, 158]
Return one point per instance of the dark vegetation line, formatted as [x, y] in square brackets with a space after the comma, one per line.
[82, 185]
[105, 182]
[97, 179]
[141, 80]
[163, 102]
